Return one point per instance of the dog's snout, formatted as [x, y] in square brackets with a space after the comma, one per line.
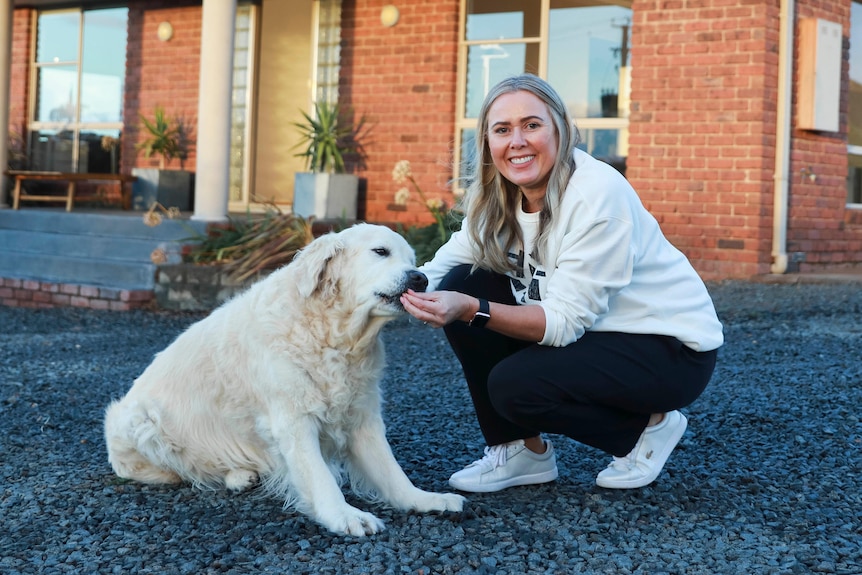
[416, 280]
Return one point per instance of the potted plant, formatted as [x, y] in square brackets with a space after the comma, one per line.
[168, 139]
[328, 191]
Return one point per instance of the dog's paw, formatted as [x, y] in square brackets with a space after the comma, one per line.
[352, 521]
[430, 501]
[240, 479]
[453, 502]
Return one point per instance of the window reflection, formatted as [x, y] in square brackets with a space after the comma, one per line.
[57, 40]
[854, 137]
[104, 65]
[588, 57]
[467, 156]
[98, 151]
[493, 20]
[52, 151]
[78, 111]
[57, 94]
[586, 46]
[487, 64]
[606, 145]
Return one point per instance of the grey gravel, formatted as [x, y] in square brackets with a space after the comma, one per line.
[766, 480]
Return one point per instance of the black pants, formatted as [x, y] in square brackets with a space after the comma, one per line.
[599, 391]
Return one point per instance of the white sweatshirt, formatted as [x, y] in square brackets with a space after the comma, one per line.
[608, 267]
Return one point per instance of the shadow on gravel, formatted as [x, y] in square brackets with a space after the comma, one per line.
[764, 481]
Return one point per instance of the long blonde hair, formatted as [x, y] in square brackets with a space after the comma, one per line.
[491, 201]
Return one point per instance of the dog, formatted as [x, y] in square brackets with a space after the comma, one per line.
[279, 386]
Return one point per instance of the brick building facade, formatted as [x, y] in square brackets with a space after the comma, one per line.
[704, 125]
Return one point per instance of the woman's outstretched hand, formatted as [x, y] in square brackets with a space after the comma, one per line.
[439, 308]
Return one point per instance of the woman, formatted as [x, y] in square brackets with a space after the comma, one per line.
[568, 309]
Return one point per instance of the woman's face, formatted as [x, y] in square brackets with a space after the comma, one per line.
[522, 140]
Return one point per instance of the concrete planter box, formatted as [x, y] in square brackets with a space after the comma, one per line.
[326, 196]
[170, 188]
[192, 287]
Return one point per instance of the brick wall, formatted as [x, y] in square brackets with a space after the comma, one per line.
[39, 294]
[19, 85]
[702, 143]
[822, 230]
[161, 73]
[406, 88]
[703, 139]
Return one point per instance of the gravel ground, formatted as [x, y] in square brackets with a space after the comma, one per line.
[766, 480]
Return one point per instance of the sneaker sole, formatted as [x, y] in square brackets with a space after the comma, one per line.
[647, 479]
[534, 479]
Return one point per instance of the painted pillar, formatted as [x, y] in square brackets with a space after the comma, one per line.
[214, 107]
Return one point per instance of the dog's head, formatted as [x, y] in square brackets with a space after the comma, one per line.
[365, 266]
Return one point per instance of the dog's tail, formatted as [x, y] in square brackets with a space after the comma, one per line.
[136, 446]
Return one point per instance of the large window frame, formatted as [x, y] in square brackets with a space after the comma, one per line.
[44, 134]
[538, 45]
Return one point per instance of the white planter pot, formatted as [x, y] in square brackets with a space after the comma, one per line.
[325, 196]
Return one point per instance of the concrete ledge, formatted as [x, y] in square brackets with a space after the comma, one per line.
[191, 287]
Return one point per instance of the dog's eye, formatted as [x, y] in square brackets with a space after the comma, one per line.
[383, 252]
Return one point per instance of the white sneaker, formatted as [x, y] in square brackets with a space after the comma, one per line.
[643, 464]
[507, 465]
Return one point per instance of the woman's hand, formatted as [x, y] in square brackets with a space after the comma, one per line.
[439, 308]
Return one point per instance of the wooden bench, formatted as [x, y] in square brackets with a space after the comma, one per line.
[124, 180]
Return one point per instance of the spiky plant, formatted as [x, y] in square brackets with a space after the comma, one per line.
[328, 138]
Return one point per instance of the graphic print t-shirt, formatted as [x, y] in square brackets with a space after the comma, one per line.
[529, 281]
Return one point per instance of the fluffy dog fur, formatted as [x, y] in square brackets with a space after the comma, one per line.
[280, 384]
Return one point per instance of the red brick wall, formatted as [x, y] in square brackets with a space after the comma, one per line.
[821, 229]
[702, 144]
[403, 79]
[19, 84]
[38, 294]
[161, 73]
[703, 139]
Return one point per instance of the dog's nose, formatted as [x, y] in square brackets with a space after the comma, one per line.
[416, 280]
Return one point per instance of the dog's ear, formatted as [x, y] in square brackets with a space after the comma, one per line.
[314, 261]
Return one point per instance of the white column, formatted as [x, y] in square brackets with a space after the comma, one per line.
[5, 73]
[214, 106]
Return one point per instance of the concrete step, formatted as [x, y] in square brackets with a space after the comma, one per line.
[78, 270]
[118, 224]
[85, 248]
[88, 246]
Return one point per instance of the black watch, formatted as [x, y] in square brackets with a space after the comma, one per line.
[483, 315]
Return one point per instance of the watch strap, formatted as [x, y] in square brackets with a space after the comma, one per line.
[482, 316]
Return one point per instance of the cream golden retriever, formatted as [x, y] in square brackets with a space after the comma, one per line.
[280, 385]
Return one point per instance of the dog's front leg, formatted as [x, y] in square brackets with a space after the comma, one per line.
[371, 456]
[316, 489]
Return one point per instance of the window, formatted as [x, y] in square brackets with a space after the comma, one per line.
[79, 74]
[579, 46]
[241, 98]
[854, 136]
[328, 55]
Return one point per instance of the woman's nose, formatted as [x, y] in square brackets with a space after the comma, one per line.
[517, 139]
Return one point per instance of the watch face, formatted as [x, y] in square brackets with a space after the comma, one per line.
[480, 319]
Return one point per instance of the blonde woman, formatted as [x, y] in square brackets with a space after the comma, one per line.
[569, 310]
